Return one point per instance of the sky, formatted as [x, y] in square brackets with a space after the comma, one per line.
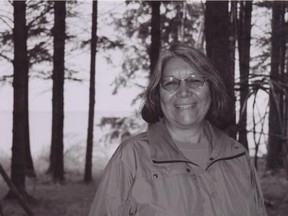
[76, 94]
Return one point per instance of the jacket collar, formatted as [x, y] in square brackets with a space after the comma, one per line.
[163, 149]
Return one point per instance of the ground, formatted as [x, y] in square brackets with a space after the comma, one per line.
[74, 197]
[70, 199]
[275, 189]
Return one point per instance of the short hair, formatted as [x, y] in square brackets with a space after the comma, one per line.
[151, 111]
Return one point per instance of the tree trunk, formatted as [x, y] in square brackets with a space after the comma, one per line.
[284, 78]
[56, 157]
[155, 34]
[275, 141]
[21, 157]
[244, 37]
[218, 50]
[89, 149]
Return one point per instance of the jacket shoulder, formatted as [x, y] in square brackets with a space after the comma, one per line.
[134, 142]
[132, 151]
[227, 142]
[237, 144]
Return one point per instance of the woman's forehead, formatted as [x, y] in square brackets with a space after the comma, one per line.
[178, 66]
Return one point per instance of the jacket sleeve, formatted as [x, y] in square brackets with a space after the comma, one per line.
[113, 188]
[258, 199]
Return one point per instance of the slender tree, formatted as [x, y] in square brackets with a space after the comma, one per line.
[232, 37]
[56, 155]
[21, 157]
[244, 38]
[284, 78]
[275, 139]
[218, 50]
[155, 34]
[89, 149]
[283, 93]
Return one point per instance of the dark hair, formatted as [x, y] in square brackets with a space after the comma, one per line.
[151, 110]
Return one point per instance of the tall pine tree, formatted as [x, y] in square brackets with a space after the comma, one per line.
[57, 145]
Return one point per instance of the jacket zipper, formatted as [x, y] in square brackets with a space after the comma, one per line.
[184, 161]
[226, 158]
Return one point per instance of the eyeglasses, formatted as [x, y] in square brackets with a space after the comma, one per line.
[172, 84]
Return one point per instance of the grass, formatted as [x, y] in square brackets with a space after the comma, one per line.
[70, 199]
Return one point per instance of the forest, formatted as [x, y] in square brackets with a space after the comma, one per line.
[247, 41]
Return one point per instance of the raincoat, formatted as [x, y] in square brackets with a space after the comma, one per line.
[149, 176]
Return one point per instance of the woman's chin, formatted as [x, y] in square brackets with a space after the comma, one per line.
[189, 123]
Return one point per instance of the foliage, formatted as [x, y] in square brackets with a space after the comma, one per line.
[39, 22]
[119, 128]
[38, 32]
[181, 21]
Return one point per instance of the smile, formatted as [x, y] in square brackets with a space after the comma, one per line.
[185, 106]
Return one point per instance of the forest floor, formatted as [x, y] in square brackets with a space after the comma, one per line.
[275, 190]
[74, 197]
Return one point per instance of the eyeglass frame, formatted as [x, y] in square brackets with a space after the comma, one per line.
[182, 80]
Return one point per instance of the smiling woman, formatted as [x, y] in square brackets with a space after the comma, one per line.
[186, 105]
[183, 164]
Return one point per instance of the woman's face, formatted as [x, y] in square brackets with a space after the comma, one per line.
[184, 107]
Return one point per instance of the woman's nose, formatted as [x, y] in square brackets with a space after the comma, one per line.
[184, 90]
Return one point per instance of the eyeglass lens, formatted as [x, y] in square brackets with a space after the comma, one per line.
[172, 83]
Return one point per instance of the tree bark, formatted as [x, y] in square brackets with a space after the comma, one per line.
[155, 34]
[217, 34]
[89, 149]
[244, 38]
[56, 157]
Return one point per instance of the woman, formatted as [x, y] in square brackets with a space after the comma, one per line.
[183, 165]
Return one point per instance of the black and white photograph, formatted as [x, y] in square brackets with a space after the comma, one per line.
[143, 108]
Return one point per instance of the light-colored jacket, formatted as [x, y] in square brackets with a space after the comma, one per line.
[149, 176]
